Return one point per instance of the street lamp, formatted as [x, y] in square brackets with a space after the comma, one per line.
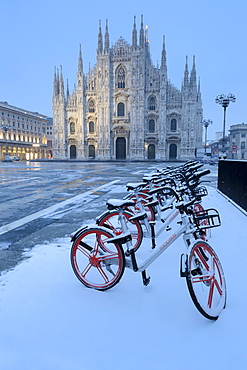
[224, 101]
[206, 123]
[7, 158]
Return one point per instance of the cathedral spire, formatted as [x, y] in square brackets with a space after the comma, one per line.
[134, 35]
[106, 38]
[67, 89]
[55, 83]
[193, 74]
[80, 64]
[100, 41]
[186, 73]
[199, 96]
[163, 55]
[142, 34]
[80, 70]
[61, 83]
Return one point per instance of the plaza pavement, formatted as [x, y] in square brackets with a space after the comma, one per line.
[42, 201]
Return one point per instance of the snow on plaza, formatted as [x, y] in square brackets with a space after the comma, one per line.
[50, 321]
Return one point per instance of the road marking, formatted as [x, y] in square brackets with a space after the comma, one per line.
[13, 225]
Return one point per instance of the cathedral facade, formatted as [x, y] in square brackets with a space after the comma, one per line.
[125, 108]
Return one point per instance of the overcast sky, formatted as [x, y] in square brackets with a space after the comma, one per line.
[36, 36]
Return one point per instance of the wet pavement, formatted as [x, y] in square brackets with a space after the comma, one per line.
[42, 201]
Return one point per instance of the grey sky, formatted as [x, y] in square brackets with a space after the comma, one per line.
[36, 36]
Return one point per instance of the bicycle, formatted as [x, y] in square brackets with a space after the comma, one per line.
[136, 204]
[98, 259]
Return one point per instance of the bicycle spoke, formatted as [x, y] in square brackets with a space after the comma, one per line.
[102, 273]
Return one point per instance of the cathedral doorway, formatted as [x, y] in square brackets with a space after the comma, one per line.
[173, 151]
[120, 148]
[151, 151]
[91, 151]
[72, 151]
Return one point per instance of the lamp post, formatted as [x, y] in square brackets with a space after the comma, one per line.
[206, 123]
[6, 128]
[224, 101]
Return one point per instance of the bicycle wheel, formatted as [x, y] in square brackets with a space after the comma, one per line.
[96, 263]
[206, 232]
[111, 221]
[206, 281]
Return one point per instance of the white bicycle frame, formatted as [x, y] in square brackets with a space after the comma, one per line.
[186, 228]
[168, 219]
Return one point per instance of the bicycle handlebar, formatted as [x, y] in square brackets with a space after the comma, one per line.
[199, 174]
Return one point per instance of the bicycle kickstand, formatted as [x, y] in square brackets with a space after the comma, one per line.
[145, 279]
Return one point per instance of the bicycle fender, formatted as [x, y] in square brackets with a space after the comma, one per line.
[77, 233]
[93, 226]
[100, 217]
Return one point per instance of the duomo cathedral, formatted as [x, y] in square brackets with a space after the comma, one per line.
[125, 108]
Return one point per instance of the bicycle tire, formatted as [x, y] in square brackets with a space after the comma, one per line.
[205, 280]
[96, 263]
[110, 221]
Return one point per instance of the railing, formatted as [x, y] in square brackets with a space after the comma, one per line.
[232, 181]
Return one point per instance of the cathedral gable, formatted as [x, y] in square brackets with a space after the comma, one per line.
[121, 51]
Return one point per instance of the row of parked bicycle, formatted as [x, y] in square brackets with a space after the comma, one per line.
[165, 205]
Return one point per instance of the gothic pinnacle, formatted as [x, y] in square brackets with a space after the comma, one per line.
[134, 35]
[100, 41]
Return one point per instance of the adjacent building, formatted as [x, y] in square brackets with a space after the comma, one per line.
[22, 133]
[238, 142]
[49, 135]
[125, 107]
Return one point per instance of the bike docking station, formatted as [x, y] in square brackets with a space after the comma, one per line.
[136, 230]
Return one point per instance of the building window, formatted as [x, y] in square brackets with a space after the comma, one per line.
[91, 106]
[121, 78]
[120, 109]
[243, 134]
[72, 127]
[173, 124]
[91, 127]
[151, 103]
[151, 125]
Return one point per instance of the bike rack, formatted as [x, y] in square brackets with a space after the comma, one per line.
[207, 218]
[201, 191]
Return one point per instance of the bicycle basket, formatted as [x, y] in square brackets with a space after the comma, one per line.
[207, 218]
[201, 191]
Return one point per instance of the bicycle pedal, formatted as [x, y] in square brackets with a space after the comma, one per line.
[183, 266]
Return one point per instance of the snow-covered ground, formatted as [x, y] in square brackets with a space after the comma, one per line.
[49, 321]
